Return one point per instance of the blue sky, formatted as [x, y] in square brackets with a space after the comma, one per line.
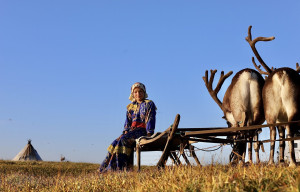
[66, 67]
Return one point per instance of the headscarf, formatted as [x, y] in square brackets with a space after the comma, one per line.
[139, 85]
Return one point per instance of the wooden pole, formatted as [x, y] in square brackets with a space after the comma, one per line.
[138, 156]
[166, 151]
[175, 157]
[192, 151]
[186, 159]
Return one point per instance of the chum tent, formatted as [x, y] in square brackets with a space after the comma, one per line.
[28, 153]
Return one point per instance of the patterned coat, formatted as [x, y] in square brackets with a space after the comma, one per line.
[141, 115]
[140, 120]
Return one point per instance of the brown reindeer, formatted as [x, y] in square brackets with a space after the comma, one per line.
[281, 99]
[242, 103]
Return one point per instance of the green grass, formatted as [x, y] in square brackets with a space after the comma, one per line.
[67, 176]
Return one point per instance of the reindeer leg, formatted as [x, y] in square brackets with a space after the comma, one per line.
[242, 147]
[233, 158]
[272, 145]
[281, 144]
[256, 147]
[289, 134]
[244, 155]
[257, 115]
[243, 123]
[250, 149]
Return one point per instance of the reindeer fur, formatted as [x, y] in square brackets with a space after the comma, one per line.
[243, 105]
[281, 97]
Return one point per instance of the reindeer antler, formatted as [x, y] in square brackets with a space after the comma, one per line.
[214, 92]
[258, 68]
[252, 45]
[297, 67]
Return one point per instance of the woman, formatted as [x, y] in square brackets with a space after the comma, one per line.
[140, 121]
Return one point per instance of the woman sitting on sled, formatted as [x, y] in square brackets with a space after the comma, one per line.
[140, 121]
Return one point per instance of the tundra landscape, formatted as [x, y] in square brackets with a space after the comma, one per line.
[68, 176]
[66, 83]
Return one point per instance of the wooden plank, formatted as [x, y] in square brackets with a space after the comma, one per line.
[211, 134]
[234, 129]
[166, 152]
[286, 139]
[199, 129]
[158, 138]
[226, 141]
[212, 140]
[159, 145]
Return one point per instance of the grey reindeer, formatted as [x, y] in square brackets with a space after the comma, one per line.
[281, 100]
[242, 106]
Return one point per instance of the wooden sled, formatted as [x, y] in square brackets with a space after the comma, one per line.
[174, 140]
[168, 142]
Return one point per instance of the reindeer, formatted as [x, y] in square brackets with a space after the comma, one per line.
[242, 103]
[281, 100]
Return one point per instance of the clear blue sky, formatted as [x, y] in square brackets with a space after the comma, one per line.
[66, 67]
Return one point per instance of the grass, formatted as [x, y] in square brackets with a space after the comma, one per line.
[67, 176]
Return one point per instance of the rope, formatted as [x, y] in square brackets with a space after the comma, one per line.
[207, 149]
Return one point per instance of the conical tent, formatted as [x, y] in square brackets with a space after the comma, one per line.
[28, 153]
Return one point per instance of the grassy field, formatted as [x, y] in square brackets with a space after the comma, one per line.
[67, 176]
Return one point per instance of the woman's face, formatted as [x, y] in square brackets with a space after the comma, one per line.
[138, 94]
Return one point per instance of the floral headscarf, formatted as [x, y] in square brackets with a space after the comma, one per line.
[139, 85]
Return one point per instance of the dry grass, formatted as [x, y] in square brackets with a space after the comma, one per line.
[56, 176]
